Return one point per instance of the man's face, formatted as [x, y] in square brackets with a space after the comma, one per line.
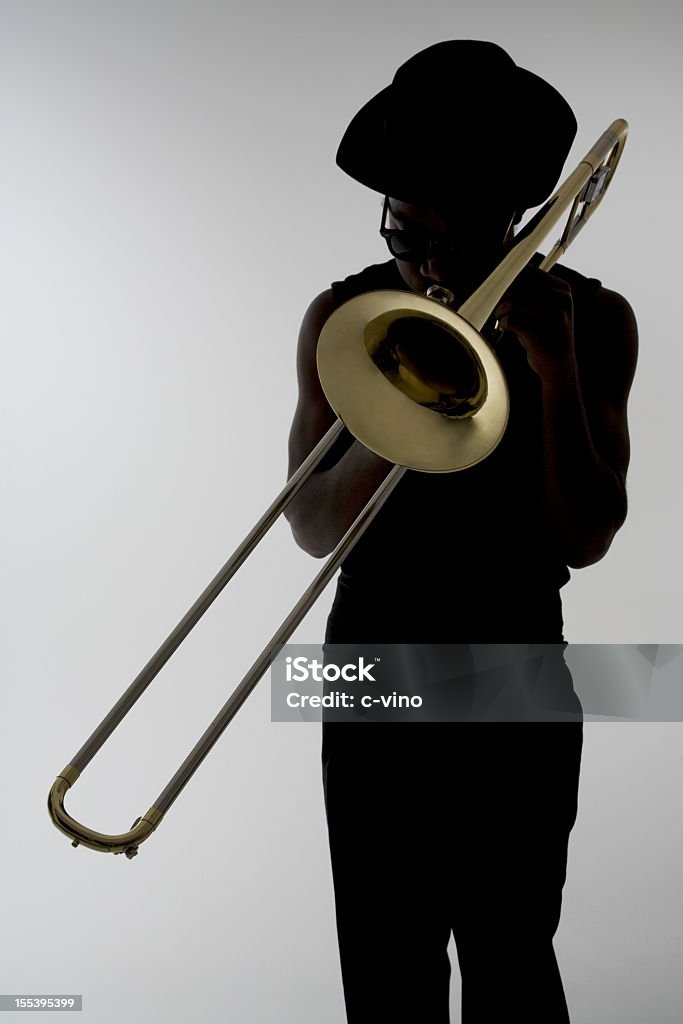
[475, 243]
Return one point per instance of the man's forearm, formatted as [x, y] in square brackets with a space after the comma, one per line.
[586, 501]
[330, 500]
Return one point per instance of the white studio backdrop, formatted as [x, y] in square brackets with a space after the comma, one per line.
[171, 205]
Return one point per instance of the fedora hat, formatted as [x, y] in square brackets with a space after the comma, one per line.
[461, 121]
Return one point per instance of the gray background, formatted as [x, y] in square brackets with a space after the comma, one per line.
[170, 206]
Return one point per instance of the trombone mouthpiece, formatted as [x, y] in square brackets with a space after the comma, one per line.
[440, 294]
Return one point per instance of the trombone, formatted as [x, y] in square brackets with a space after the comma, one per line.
[412, 419]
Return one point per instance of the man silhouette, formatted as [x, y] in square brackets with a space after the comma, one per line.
[451, 826]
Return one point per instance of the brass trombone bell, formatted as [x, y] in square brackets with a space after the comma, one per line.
[396, 412]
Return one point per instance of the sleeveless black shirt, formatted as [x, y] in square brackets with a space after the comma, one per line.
[464, 557]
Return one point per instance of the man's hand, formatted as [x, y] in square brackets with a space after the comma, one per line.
[538, 309]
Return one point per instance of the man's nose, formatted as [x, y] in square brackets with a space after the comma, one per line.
[435, 268]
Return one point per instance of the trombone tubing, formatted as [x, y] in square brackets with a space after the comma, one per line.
[127, 842]
[204, 601]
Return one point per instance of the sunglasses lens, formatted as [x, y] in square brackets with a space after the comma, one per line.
[405, 246]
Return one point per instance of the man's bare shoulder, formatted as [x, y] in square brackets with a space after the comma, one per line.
[318, 311]
[323, 304]
[607, 345]
[612, 304]
[319, 308]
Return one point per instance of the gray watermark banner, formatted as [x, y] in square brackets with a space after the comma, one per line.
[477, 683]
[34, 1002]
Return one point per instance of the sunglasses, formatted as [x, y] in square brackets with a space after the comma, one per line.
[414, 246]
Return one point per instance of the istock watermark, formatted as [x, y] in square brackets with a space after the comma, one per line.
[340, 682]
[477, 683]
[301, 669]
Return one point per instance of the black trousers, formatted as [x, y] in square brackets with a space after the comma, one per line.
[450, 827]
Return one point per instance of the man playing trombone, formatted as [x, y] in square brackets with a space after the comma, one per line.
[460, 827]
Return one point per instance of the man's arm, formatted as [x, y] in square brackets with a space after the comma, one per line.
[331, 499]
[585, 386]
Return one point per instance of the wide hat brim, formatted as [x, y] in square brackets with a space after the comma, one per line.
[461, 121]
